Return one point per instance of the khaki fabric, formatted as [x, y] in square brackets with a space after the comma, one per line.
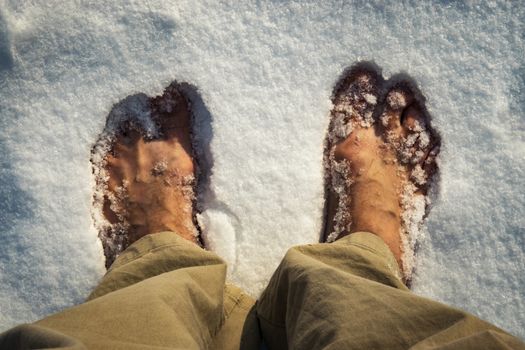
[166, 293]
[347, 295]
[163, 292]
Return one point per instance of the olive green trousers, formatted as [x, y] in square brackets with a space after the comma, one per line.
[166, 293]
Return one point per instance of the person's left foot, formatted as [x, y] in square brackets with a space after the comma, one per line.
[380, 159]
[145, 174]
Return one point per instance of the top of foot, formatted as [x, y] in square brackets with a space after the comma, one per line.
[145, 171]
[380, 157]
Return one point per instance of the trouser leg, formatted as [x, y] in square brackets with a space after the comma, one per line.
[348, 295]
[162, 292]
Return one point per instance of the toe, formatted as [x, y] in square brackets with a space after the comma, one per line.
[419, 147]
[430, 163]
[357, 94]
[413, 119]
[355, 99]
[422, 172]
[416, 130]
[171, 111]
[396, 102]
[406, 126]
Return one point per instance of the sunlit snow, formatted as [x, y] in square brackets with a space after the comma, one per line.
[265, 72]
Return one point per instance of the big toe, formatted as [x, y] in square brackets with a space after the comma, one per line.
[171, 111]
[356, 96]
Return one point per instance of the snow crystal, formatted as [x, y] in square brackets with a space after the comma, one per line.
[370, 99]
[342, 127]
[411, 140]
[418, 175]
[413, 212]
[385, 119]
[341, 180]
[159, 168]
[396, 100]
[424, 138]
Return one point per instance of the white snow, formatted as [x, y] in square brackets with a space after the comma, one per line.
[265, 72]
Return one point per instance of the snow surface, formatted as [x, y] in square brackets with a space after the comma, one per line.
[265, 71]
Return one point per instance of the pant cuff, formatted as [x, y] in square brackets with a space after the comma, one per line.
[374, 244]
[152, 255]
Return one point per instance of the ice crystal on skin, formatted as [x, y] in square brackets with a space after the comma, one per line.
[412, 218]
[416, 127]
[370, 99]
[385, 119]
[167, 103]
[411, 140]
[159, 168]
[187, 186]
[341, 126]
[418, 175]
[424, 139]
[354, 106]
[413, 148]
[341, 180]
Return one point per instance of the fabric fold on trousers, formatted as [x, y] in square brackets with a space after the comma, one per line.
[164, 292]
[349, 295]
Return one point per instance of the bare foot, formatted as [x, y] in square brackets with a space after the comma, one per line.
[145, 172]
[380, 159]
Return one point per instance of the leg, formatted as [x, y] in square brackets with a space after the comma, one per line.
[164, 290]
[350, 294]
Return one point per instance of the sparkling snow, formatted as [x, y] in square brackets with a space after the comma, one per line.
[265, 72]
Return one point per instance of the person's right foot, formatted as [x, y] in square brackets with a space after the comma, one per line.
[380, 158]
